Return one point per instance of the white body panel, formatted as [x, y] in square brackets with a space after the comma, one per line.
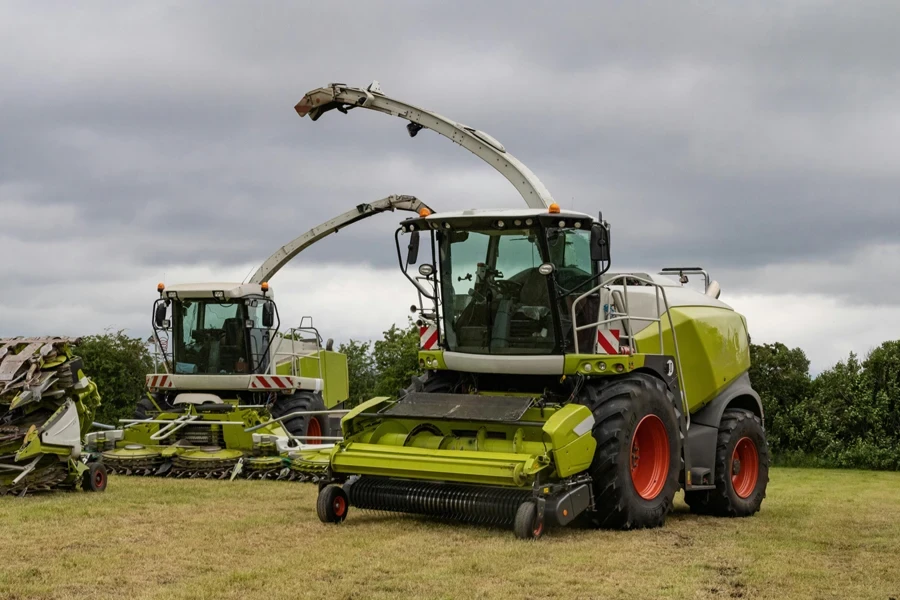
[507, 365]
[64, 429]
[253, 383]
[642, 302]
[205, 290]
[196, 399]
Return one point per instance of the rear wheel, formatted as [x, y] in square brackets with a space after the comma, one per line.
[741, 468]
[638, 457]
[312, 426]
[332, 504]
[95, 478]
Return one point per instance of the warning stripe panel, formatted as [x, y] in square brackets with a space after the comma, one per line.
[608, 341]
[428, 337]
[269, 382]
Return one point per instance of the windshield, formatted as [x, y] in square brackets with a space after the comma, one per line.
[211, 337]
[495, 300]
[570, 253]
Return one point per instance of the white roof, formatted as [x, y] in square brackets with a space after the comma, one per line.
[205, 290]
[504, 213]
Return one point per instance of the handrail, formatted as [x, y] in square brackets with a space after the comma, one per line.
[660, 290]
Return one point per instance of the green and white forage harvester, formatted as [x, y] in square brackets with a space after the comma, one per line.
[47, 405]
[553, 389]
[233, 395]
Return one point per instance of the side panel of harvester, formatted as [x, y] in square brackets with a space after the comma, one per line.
[714, 347]
[334, 374]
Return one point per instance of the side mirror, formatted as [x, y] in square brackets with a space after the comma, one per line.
[412, 254]
[268, 316]
[159, 315]
[599, 243]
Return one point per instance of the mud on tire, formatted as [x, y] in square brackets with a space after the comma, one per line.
[739, 430]
[620, 407]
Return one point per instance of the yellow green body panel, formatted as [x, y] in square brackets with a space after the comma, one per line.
[557, 440]
[334, 373]
[713, 346]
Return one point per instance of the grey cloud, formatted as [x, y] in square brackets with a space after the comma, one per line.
[744, 138]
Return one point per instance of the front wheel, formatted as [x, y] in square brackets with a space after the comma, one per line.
[94, 479]
[638, 457]
[332, 504]
[527, 526]
[741, 469]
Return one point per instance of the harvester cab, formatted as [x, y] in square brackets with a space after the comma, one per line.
[233, 395]
[504, 282]
[552, 390]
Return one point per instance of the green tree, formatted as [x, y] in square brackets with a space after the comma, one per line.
[396, 359]
[780, 375]
[118, 365]
[361, 367]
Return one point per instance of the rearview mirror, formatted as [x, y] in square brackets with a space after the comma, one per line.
[159, 315]
[412, 254]
[599, 243]
[268, 316]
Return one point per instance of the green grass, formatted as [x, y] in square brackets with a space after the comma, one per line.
[821, 534]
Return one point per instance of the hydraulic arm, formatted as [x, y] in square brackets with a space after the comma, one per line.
[341, 97]
[284, 254]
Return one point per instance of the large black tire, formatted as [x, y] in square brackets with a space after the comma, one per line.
[146, 408]
[737, 426]
[302, 425]
[623, 407]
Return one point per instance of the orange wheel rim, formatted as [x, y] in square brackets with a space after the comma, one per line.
[744, 467]
[649, 457]
[314, 431]
[98, 478]
[340, 506]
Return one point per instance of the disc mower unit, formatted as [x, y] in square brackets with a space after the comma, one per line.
[47, 405]
[553, 390]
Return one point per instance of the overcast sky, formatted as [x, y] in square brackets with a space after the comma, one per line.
[146, 142]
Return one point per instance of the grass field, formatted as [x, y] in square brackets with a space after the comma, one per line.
[821, 534]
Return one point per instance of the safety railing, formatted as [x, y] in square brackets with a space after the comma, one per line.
[294, 335]
[621, 314]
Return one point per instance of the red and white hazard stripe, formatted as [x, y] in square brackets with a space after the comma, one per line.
[428, 336]
[156, 382]
[607, 341]
[272, 382]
